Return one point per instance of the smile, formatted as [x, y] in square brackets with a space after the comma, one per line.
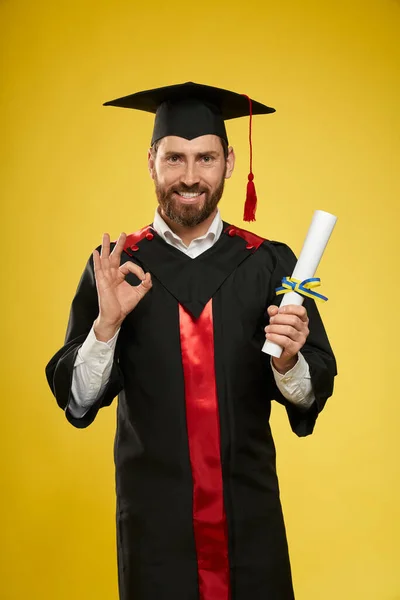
[188, 198]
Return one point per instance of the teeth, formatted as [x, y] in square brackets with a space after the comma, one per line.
[186, 195]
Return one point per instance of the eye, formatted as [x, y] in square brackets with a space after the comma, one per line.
[207, 158]
[174, 158]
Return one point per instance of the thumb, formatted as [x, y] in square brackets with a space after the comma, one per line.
[144, 286]
[272, 310]
[130, 267]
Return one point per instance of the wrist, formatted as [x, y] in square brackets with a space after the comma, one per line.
[105, 331]
[284, 365]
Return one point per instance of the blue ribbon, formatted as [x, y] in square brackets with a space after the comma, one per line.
[301, 287]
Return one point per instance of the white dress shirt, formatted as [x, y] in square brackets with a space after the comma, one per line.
[94, 360]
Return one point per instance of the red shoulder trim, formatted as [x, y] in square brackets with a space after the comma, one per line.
[132, 240]
[253, 241]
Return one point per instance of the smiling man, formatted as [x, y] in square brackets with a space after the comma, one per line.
[189, 177]
[172, 319]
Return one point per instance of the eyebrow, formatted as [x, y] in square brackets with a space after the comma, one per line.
[212, 153]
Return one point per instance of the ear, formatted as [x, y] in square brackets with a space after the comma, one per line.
[150, 163]
[230, 162]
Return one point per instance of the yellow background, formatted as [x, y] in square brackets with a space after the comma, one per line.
[71, 169]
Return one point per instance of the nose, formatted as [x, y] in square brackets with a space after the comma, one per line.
[190, 176]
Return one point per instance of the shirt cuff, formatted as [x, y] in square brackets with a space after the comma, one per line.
[295, 385]
[95, 353]
[300, 371]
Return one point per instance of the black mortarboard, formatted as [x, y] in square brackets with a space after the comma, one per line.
[190, 110]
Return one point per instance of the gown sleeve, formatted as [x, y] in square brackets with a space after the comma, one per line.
[59, 370]
[317, 350]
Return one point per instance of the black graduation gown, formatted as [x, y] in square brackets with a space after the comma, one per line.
[198, 509]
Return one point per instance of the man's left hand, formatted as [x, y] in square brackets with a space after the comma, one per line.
[288, 327]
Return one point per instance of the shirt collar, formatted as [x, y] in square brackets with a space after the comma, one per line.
[163, 230]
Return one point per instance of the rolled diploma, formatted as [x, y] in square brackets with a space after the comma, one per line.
[315, 243]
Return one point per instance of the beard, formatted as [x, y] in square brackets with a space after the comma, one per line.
[188, 215]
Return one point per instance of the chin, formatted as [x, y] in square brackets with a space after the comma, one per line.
[191, 209]
[182, 209]
[189, 216]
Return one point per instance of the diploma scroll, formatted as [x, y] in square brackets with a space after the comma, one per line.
[315, 243]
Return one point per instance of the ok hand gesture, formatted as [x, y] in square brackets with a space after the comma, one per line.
[117, 298]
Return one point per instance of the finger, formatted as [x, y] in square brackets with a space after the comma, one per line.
[272, 310]
[291, 348]
[293, 309]
[130, 267]
[105, 255]
[105, 246]
[283, 319]
[96, 261]
[100, 279]
[115, 255]
[98, 271]
[286, 330]
[144, 285]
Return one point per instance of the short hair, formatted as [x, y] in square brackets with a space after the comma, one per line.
[224, 144]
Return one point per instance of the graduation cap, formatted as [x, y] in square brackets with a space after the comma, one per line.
[190, 110]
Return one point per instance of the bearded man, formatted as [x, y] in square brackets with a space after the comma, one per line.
[172, 319]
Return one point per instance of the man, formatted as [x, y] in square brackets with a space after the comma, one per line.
[173, 320]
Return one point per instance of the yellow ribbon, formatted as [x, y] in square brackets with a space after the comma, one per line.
[289, 284]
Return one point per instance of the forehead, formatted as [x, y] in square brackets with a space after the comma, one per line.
[203, 143]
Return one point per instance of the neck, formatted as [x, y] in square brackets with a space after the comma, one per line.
[187, 234]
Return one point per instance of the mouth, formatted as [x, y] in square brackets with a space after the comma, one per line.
[189, 198]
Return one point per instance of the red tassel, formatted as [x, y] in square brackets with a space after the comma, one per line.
[251, 200]
[251, 196]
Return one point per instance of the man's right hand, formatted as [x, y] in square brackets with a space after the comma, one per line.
[117, 298]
